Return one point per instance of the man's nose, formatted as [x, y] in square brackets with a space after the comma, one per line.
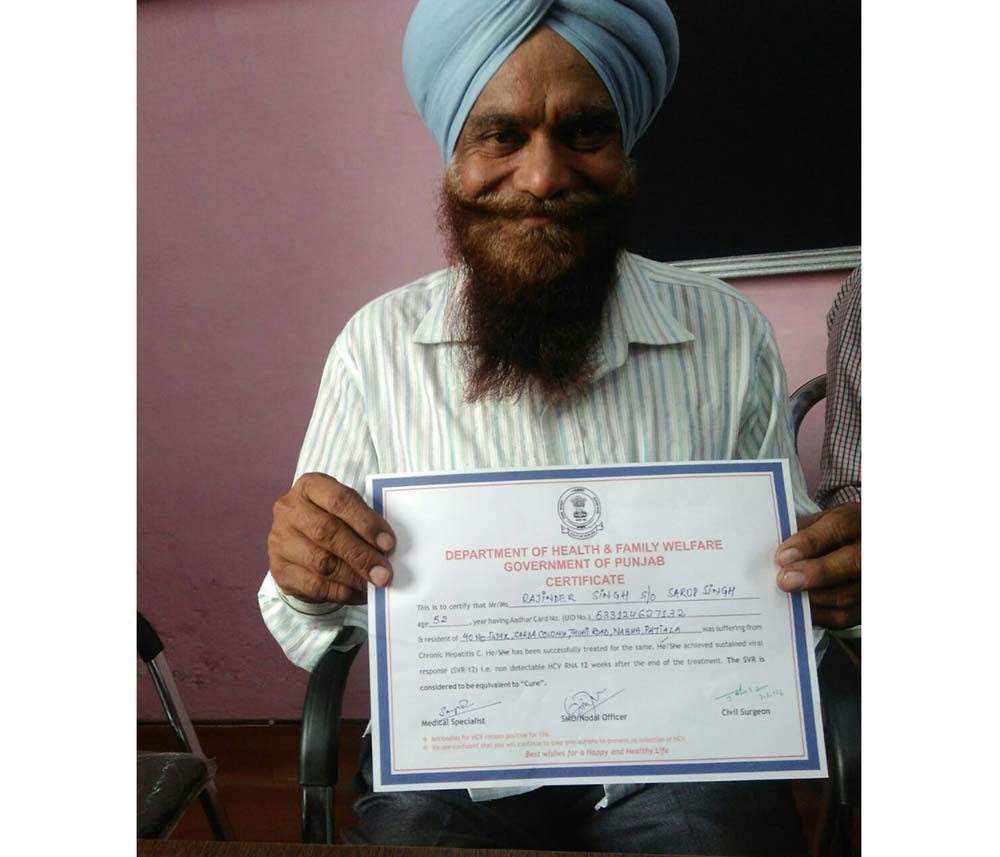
[543, 171]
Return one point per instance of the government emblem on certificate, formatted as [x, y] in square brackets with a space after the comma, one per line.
[580, 511]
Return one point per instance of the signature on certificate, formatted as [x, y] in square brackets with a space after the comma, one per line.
[584, 701]
[463, 706]
[762, 690]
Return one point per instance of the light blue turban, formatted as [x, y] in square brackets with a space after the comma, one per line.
[453, 47]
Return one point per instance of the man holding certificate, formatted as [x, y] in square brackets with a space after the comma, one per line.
[517, 418]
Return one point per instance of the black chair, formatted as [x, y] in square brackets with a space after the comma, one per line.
[168, 782]
[839, 676]
[320, 742]
[319, 746]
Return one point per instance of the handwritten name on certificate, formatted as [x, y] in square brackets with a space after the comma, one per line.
[603, 624]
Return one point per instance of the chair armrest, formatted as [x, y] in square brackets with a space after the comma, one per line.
[319, 747]
[320, 743]
[802, 400]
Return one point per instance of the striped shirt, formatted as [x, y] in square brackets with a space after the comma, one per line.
[687, 369]
[840, 463]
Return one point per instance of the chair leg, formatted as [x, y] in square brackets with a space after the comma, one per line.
[215, 812]
[818, 840]
[844, 831]
[826, 839]
[836, 837]
[318, 824]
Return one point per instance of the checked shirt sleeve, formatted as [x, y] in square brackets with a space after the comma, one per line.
[840, 467]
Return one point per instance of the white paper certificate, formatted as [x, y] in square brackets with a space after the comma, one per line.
[590, 625]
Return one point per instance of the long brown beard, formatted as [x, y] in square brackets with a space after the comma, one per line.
[530, 312]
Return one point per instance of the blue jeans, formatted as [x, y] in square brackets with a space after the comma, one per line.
[731, 818]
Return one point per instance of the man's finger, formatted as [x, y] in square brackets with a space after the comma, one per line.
[804, 521]
[841, 525]
[837, 597]
[303, 584]
[833, 569]
[299, 551]
[331, 539]
[348, 505]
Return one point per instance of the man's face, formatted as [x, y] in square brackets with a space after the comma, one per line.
[534, 206]
[539, 155]
[543, 126]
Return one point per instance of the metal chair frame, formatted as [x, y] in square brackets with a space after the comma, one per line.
[151, 651]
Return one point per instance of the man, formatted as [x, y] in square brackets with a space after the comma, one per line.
[840, 463]
[545, 343]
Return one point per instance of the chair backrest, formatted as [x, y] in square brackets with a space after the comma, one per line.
[803, 399]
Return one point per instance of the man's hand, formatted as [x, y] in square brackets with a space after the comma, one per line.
[326, 543]
[824, 558]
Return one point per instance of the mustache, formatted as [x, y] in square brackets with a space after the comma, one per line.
[570, 208]
[573, 208]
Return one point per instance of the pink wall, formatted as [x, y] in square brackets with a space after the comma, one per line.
[284, 180]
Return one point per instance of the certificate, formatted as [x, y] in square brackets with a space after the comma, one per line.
[607, 624]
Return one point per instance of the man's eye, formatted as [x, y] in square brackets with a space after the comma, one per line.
[590, 134]
[502, 138]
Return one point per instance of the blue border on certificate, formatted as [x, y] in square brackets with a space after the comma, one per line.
[812, 761]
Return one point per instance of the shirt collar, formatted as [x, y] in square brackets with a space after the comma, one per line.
[437, 326]
[637, 312]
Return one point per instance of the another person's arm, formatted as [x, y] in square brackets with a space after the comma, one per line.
[840, 464]
[824, 557]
